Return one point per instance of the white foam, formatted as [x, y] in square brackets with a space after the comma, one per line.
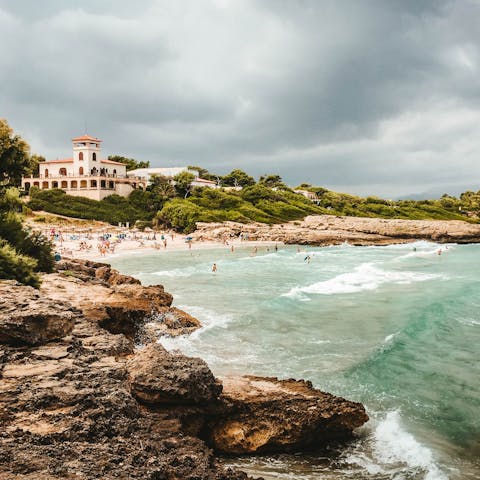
[393, 445]
[178, 272]
[187, 343]
[364, 277]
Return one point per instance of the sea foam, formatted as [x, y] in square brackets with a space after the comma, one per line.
[393, 445]
[364, 277]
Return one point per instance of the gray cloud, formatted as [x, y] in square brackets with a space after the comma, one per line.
[369, 97]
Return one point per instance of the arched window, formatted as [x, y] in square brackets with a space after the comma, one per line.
[80, 156]
[62, 171]
[94, 156]
[46, 172]
[80, 171]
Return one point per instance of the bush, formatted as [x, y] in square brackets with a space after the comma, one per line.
[15, 266]
[112, 209]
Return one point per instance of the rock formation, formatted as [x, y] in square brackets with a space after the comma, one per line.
[331, 230]
[270, 415]
[79, 401]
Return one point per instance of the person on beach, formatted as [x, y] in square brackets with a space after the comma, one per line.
[57, 257]
[214, 268]
[276, 247]
[307, 259]
[232, 248]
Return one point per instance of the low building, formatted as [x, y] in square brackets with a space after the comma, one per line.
[306, 193]
[202, 182]
[85, 174]
[168, 172]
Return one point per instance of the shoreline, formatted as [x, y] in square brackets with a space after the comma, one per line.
[98, 241]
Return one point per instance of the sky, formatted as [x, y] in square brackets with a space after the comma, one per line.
[367, 97]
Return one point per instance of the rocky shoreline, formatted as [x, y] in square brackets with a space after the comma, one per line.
[322, 230]
[79, 399]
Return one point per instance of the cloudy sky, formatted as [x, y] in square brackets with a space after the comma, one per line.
[369, 97]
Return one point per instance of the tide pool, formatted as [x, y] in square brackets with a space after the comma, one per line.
[396, 327]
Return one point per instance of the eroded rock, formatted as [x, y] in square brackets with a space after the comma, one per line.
[270, 415]
[27, 318]
[159, 377]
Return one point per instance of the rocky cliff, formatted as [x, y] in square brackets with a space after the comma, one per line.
[331, 230]
[78, 400]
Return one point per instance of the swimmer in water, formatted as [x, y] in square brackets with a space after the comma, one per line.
[214, 268]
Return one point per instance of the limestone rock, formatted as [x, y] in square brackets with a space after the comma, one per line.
[331, 229]
[159, 377]
[121, 308]
[26, 318]
[171, 321]
[271, 415]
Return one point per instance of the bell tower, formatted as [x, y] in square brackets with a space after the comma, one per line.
[86, 155]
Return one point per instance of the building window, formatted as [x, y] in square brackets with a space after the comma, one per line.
[46, 172]
[93, 184]
[44, 185]
[80, 171]
[94, 156]
[55, 185]
[80, 156]
[73, 184]
[63, 171]
[83, 184]
[64, 184]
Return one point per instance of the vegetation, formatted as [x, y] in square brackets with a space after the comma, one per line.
[112, 209]
[255, 203]
[14, 156]
[23, 253]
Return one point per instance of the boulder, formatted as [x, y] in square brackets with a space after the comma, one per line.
[122, 308]
[171, 321]
[265, 415]
[26, 318]
[159, 377]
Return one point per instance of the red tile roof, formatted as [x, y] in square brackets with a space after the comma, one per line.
[65, 160]
[85, 138]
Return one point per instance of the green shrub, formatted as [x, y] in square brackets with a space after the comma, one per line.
[14, 266]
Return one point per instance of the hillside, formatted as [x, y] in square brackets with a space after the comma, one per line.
[254, 203]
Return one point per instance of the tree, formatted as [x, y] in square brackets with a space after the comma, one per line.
[204, 173]
[183, 183]
[22, 252]
[162, 188]
[35, 160]
[272, 181]
[238, 178]
[14, 156]
[131, 163]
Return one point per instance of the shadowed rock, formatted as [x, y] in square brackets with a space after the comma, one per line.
[159, 377]
[26, 318]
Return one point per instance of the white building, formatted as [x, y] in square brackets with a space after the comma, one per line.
[306, 193]
[168, 172]
[85, 174]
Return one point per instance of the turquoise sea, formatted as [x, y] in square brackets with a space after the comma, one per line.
[395, 327]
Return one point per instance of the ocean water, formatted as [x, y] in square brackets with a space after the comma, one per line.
[395, 327]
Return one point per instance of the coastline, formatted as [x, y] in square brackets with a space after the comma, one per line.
[80, 399]
[318, 230]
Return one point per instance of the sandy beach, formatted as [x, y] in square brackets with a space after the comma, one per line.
[101, 242]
